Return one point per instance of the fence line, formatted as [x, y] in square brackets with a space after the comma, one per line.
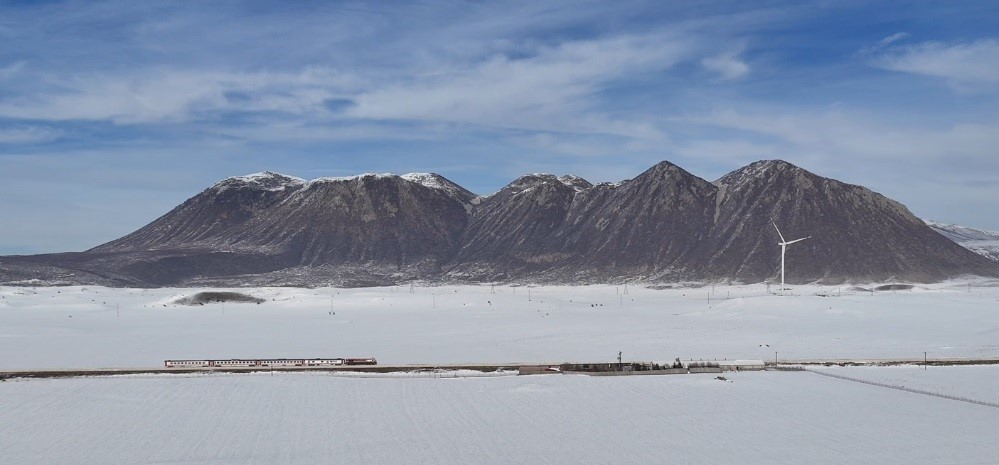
[907, 389]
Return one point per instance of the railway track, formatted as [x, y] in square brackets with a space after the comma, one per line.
[78, 372]
[486, 368]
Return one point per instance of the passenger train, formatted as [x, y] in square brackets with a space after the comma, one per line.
[268, 362]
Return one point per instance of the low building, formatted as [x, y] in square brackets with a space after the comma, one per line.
[740, 365]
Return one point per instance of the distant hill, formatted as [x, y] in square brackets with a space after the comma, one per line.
[980, 241]
[664, 225]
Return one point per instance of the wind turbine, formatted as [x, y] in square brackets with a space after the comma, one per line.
[783, 248]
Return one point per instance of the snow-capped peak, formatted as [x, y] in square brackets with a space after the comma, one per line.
[352, 178]
[431, 180]
[266, 180]
[438, 182]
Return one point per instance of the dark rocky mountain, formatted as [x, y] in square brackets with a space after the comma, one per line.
[856, 233]
[564, 229]
[651, 226]
[513, 231]
[664, 225]
[273, 229]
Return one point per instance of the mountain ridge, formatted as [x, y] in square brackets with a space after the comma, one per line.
[663, 225]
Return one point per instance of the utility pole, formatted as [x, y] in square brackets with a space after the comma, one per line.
[924, 361]
[775, 359]
[620, 366]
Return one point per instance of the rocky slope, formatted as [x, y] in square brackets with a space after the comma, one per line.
[361, 230]
[664, 225]
[856, 233]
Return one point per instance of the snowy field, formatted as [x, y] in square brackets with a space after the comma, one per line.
[308, 418]
[74, 327]
[754, 418]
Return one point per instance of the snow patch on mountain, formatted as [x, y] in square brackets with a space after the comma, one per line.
[577, 183]
[352, 178]
[980, 241]
[266, 180]
[433, 181]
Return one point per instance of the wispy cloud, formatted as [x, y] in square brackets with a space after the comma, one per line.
[553, 88]
[727, 65]
[893, 38]
[8, 71]
[966, 65]
[176, 96]
[28, 134]
[833, 132]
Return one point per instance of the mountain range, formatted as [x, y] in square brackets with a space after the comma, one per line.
[664, 225]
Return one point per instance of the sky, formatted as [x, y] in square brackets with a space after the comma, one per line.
[112, 113]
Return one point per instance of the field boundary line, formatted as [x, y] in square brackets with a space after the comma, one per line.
[906, 389]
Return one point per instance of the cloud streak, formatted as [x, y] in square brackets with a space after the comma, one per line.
[177, 96]
[968, 64]
[728, 66]
[28, 134]
[547, 90]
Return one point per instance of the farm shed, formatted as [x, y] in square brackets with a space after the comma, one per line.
[740, 365]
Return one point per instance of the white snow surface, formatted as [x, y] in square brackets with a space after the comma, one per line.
[462, 416]
[753, 418]
[427, 179]
[291, 181]
[258, 180]
[90, 327]
[351, 178]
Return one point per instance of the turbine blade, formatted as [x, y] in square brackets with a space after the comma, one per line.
[778, 232]
[798, 240]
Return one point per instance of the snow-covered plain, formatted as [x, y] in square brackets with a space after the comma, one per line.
[74, 327]
[318, 417]
[753, 418]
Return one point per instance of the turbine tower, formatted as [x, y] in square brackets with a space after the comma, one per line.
[783, 248]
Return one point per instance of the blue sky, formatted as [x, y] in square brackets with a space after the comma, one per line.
[112, 113]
